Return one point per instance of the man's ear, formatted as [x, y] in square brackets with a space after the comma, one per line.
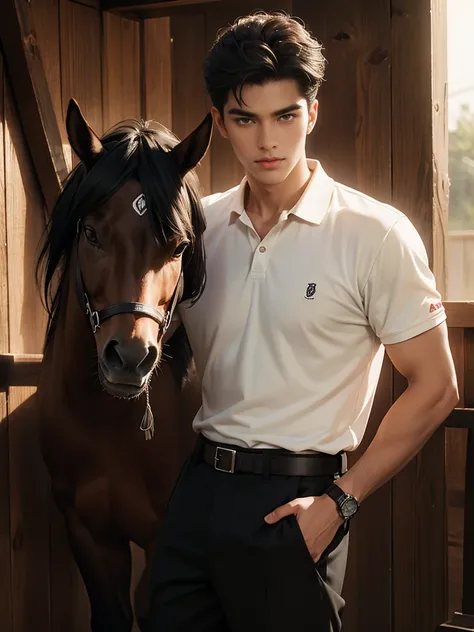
[219, 121]
[313, 115]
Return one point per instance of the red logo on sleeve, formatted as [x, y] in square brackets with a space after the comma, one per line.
[435, 306]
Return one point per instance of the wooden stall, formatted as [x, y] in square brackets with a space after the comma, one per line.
[381, 129]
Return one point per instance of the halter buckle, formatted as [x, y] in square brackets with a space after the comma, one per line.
[92, 315]
[167, 321]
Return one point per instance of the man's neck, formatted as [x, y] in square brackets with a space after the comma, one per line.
[266, 203]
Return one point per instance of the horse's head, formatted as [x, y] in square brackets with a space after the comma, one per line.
[133, 223]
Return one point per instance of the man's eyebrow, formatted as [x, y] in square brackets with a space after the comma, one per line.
[287, 110]
[239, 112]
[252, 115]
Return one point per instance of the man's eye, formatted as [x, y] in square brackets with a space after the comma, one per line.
[244, 121]
[180, 249]
[287, 117]
[91, 236]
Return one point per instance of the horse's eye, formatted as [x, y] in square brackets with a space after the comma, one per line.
[180, 249]
[91, 236]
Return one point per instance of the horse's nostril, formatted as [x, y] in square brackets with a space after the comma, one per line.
[133, 357]
[112, 357]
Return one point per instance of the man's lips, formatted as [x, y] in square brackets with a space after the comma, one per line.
[269, 160]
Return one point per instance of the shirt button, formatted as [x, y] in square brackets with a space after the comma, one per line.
[262, 249]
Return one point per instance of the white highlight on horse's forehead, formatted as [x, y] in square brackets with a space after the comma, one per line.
[139, 204]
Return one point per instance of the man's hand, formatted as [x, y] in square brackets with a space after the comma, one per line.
[318, 520]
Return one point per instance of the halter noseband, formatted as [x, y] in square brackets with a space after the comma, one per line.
[96, 318]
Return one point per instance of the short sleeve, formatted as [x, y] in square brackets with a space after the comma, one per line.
[400, 296]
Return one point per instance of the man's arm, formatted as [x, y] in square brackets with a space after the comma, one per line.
[426, 362]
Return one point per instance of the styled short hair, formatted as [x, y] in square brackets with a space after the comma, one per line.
[263, 47]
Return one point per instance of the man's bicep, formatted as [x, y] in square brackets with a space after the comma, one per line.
[425, 357]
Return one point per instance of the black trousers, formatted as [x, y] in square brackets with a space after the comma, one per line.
[219, 567]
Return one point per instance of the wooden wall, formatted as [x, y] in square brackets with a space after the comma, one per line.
[374, 133]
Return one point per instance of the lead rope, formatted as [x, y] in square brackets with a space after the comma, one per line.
[148, 421]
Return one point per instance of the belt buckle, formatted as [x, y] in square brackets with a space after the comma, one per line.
[217, 458]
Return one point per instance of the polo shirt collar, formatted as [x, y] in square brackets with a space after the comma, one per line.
[312, 205]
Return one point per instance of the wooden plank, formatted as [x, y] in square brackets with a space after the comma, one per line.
[460, 623]
[25, 226]
[352, 140]
[455, 477]
[419, 543]
[6, 619]
[120, 70]
[468, 552]
[80, 34]
[31, 90]
[94, 4]
[460, 314]
[6, 622]
[144, 9]
[439, 66]
[28, 480]
[355, 98]
[46, 21]
[157, 71]
[188, 54]
[18, 369]
[460, 418]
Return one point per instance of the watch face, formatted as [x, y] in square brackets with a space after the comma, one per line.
[349, 507]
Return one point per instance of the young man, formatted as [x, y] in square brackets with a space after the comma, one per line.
[308, 282]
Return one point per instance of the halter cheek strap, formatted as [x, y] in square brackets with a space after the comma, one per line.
[96, 318]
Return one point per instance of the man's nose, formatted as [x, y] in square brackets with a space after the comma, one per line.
[266, 139]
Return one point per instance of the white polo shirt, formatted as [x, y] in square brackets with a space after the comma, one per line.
[288, 335]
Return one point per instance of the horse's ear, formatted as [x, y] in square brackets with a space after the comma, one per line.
[192, 149]
[85, 143]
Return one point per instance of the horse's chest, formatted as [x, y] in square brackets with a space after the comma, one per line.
[116, 503]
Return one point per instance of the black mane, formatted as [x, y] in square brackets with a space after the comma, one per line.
[137, 150]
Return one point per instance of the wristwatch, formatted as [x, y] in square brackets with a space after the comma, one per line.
[347, 504]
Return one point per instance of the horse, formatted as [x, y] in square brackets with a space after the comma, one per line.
[122, 248]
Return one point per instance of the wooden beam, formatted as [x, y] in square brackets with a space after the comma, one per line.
[152, 9]
[460, 314]
[460, 418]
[19, 369]
[94, 4]
[459, 623]
[33, 99]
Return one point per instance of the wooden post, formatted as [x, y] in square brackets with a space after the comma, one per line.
[26, 72]
[419, 184]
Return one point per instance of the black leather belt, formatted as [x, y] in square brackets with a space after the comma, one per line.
[231, 459]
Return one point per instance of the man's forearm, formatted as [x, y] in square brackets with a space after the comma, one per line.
[406, 427]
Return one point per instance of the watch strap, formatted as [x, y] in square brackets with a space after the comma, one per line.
[336, 493]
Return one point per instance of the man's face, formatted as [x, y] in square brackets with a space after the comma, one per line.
[268, 130]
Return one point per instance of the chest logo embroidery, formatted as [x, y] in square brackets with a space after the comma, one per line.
[310, 291]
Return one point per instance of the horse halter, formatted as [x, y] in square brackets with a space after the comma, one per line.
[96, 318]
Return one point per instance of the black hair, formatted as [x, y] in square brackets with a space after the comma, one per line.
[263, 47]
